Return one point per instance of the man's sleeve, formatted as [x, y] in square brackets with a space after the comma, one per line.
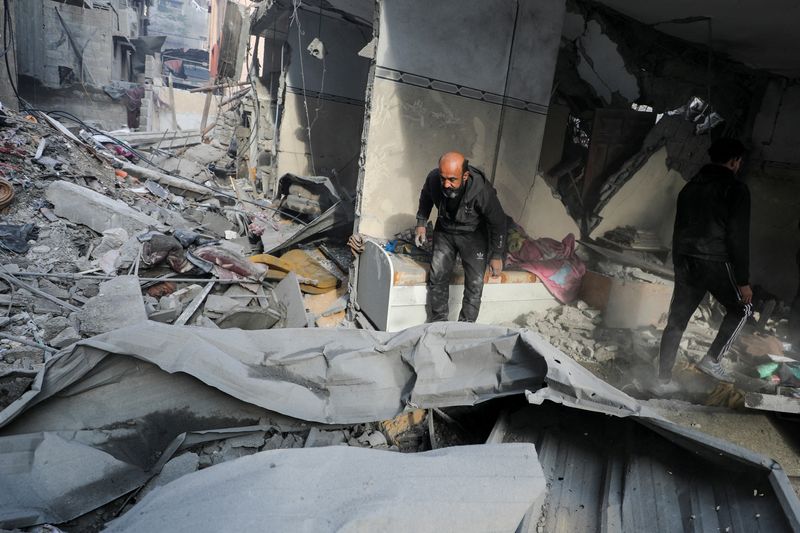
[496, 221]
[425, 204]
[738, 238]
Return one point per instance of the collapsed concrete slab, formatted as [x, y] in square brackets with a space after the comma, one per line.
[100, 213]
[341, 488]
[145, 391]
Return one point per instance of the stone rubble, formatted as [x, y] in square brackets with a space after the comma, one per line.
[112, 235]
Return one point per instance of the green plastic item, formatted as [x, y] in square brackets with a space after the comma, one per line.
[766, 370]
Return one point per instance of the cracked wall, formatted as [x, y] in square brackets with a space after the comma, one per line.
[595, 70]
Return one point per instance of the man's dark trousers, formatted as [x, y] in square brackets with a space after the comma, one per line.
[472, 248]
[693, 278]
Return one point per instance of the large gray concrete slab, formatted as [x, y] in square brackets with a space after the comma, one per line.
[100, 213]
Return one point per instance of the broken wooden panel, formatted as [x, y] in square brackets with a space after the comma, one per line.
[431, 94]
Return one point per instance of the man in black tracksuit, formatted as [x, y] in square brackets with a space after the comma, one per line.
[470, 223]
[711, 253]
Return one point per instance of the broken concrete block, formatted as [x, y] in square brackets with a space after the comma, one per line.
[203, 154]
[45, 307]
[219, 305]
[606, 353]
[53, 326]
[230, 452]
[203, 321]
[65, 338]
[318, 438]
[36, 355]
[174, 303]
[376, 438]
[176, 467]
[292, 441]
[45, 285]
[216, 224]
[100, 213]
[112, 239]
[592, 313]
[165, 316]
[118, 304]
[249, 318]
[274, 442]
[240, 294]
[254, 440]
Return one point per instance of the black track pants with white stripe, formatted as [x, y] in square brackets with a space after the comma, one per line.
[693, 279]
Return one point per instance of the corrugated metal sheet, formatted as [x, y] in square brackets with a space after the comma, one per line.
[615, 474]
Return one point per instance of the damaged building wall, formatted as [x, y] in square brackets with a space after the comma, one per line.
[183, 22]
[647, 201]
[609, 61]
[189, 109]
[774, 181]
[60, 43]
[487, 99]
[67, 53]
[8, 83]
[325, 91]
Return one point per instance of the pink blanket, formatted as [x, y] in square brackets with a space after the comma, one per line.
[553, 262]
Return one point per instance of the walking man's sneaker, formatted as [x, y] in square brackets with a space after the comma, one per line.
[707, 365]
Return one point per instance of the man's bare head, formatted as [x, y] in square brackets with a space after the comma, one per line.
[453, 171]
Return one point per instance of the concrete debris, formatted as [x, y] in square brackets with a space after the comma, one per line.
[66, 338]
[118, 304]
[53, 326]
[96, 211]
[317, 438]
[209, 212]
[629, 273]
[175, 468]
[217, 305]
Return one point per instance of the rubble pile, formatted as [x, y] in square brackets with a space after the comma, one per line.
[97, 236]
[629, 273]
[578, 330]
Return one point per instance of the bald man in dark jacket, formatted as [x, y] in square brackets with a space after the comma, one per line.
[470, 224]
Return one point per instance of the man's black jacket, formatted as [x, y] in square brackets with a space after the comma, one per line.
[479, 204]
[713, 220]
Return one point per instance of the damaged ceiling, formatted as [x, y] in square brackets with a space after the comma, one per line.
[762, 35]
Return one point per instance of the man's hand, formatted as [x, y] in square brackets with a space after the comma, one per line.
[420, 237]
[746, 293]
[497, 267]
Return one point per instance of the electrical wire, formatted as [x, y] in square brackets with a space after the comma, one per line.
[8, 32]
